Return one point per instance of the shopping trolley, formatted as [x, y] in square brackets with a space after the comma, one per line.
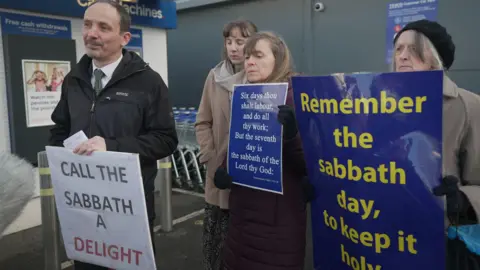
[190, 172]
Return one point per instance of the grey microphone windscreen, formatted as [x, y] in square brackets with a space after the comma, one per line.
[17, 185]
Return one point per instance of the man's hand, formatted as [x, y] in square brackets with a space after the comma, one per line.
[96, 143]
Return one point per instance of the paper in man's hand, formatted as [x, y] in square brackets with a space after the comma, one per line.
[75, 140]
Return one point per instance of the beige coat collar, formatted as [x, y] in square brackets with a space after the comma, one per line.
[449, 87]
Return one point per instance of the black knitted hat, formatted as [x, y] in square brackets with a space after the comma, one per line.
[439, 37]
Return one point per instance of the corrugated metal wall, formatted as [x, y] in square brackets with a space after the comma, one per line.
[347, 36]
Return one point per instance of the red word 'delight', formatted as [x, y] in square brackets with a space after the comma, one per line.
[102, 249]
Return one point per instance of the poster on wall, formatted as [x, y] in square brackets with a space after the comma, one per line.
[136, 42]
[18, 24]
[400, 13]
[42, 82]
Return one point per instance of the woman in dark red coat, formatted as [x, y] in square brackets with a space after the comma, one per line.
[267, 230]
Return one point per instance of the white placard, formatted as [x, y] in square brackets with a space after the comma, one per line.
[101, 207]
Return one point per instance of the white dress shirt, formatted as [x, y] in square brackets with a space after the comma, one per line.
[107, 70]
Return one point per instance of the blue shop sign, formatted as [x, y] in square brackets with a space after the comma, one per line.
[136, 42]
[152, 13]
[18, 24]
[137, 39]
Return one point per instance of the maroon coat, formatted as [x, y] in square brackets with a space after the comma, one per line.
[267, 230]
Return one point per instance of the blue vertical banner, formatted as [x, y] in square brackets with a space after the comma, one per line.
[136, 42]
[18, 24]
[255, 143]
[373, 147]
[400, 13]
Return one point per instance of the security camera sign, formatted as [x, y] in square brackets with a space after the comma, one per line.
[401, 13]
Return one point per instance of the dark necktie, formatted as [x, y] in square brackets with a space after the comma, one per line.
[97, 86]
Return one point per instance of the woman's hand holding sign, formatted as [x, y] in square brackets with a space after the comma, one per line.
[459, 208]
[286, 117]
[222, 179]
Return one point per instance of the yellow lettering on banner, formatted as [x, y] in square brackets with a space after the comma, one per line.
[382, 105]
[363, 207]
[346, 106]
[85, 3]
[345, 138]
[411, 241]
[385, 174]
[378, 241]
[357, 264]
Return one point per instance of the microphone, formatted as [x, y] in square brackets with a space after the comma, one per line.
[17, 185]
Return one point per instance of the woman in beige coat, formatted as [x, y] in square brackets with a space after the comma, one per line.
[425, 45]
[212, 130]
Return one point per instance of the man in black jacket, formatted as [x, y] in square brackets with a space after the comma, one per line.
[116, 99]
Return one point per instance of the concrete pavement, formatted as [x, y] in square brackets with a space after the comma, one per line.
[180, 249]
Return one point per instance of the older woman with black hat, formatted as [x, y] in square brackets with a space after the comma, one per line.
[425, 45]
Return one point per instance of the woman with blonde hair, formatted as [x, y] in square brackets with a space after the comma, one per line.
[267, 230]
[212, 127]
